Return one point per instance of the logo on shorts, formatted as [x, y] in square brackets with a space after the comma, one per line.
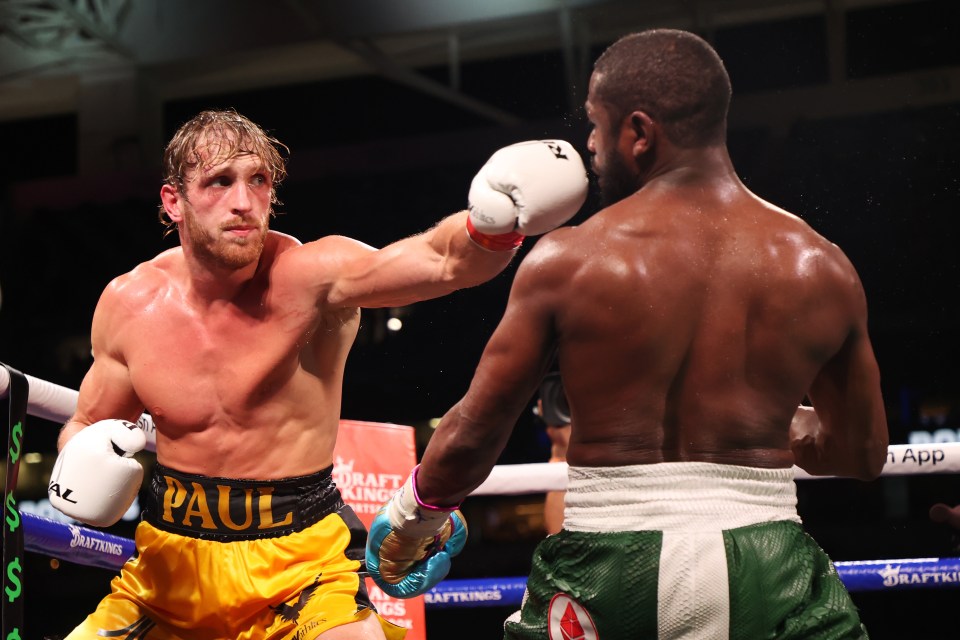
[568, 620]
[291, 613]
[137, 629]
[204, 505]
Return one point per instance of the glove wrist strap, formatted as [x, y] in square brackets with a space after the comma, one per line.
[421, 503]
[494, 242]
[409, 515]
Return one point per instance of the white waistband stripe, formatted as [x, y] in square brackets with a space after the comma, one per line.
[677, 496]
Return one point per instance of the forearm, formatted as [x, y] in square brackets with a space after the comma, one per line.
[465, 263]
[431, 264]
[70, 429]
[820, 456]
[448, 482]
[826, 449]
[458, 459]
[106, 391]
[848, 435]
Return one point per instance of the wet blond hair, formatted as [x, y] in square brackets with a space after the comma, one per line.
[222, 135]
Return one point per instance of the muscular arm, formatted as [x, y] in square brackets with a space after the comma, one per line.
[848, 435]
[524, 189]
[421, 267]
[471, 436]
[106, 391]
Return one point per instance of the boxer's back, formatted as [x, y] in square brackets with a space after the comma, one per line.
[694, 320]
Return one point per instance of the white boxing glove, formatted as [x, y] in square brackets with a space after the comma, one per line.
[525, 189]
[95, 478]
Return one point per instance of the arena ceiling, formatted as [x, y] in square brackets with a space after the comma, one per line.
[190, 48]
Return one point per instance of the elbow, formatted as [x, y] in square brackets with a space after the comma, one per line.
[868, 474]
[880, 457]
[874, 458]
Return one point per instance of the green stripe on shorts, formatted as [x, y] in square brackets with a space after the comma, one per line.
[781, 585]
[612, 575]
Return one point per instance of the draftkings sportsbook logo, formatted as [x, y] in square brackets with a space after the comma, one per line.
[365, 492]
[897, 575]
[77, 539]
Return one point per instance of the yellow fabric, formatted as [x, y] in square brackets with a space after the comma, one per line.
[291, 587]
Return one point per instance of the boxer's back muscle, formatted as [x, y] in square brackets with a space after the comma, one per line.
[725, 310]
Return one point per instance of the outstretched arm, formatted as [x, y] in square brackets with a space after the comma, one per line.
[429, 265]
[524, 189]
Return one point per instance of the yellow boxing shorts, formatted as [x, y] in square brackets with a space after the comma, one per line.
[220, 559]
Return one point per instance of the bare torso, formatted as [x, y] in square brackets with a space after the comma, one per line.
[247, 387]
[690, 323]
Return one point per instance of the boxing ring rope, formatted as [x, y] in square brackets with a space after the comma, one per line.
[57, 403]
[83, 545]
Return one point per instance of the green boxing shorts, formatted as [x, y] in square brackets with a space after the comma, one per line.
[682, 550]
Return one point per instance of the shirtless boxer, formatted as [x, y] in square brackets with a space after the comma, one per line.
[690, 319]
[235, 342]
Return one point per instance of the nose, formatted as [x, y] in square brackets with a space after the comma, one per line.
[239, 198]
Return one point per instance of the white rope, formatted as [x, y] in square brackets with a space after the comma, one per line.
[52, 402]
[902, 460]
[56, 403]
[46, 400]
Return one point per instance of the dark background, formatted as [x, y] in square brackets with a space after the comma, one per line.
[376, 160]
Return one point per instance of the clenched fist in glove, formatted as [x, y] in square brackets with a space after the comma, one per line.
[95, 478]
[411, 543]
[526, 189]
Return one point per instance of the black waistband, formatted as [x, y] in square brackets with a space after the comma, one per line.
[227, 509]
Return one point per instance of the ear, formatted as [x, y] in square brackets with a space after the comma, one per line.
[172, 200]
[644, 132]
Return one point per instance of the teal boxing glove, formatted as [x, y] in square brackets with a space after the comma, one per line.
[411, 543]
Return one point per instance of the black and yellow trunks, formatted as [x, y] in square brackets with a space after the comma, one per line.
[226, 509]
[246, 560]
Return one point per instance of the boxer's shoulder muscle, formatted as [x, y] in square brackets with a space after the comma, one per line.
[131, 295]
[313, 267]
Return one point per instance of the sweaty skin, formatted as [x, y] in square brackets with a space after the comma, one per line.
[553, 500]
[239, 354]
[690, 319]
